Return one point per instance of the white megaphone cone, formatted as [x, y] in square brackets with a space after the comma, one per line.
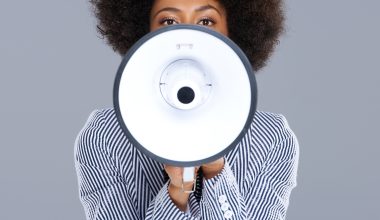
[185, 95]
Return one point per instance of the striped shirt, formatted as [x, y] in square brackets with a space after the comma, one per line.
[116, 181]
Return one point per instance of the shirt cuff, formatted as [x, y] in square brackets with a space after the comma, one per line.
[221, 197]
[164, 208]
[226, 176]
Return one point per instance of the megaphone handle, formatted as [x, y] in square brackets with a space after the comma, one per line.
[188, 176]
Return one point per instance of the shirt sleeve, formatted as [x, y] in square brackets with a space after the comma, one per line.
[162, 207]
[102, 191]
[267, 197]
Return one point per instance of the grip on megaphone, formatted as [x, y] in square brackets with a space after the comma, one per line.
[188, 176]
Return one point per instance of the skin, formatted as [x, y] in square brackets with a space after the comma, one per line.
[209, 13]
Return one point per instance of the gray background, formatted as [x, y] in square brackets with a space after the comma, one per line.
[324, 77]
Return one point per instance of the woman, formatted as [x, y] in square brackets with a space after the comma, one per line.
[253, 181]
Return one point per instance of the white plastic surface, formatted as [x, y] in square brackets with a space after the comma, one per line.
[177, 134]
[188, 174]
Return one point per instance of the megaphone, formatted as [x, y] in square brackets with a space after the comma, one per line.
[185, 95]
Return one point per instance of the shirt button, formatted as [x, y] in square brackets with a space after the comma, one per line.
[225, 207]
[222, 199]
[228, 214]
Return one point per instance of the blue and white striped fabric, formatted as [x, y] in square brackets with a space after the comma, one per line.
[116, 181]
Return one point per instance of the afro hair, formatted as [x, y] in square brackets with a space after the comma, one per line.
[254, 25]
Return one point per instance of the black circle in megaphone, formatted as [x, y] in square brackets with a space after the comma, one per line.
[186, 96]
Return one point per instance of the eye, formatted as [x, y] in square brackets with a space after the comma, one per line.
[168, 21]
[206, 22]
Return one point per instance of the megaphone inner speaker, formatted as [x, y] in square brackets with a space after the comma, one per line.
[186, 95]
[184, 84]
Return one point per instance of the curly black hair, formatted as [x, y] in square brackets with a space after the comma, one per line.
[254, 25]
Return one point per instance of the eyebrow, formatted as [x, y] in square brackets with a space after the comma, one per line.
[207, 7]
[167, 9]
[201, 8]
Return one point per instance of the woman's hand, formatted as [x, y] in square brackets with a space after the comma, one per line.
[176, 174]
[176, 189]
[212, 169]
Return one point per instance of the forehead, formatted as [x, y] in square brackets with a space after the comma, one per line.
[185, 4]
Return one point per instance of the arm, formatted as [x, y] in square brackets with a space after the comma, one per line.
[267, 195]
[102, 191]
